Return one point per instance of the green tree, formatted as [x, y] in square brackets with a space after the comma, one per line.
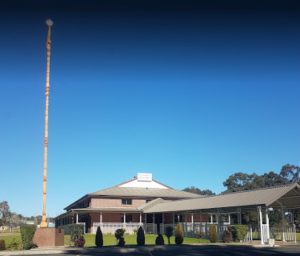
[4, 213]
[195, 190]
[240, 181]
[291, 173]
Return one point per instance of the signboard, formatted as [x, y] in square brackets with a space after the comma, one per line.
[144, 176]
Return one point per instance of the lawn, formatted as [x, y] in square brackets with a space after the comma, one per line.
[15, 239]
[12, 240]
[131, 240]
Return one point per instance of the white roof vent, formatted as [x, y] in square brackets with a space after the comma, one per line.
[144, 176]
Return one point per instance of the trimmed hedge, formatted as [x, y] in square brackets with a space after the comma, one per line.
[227, 236]
[178, 234]
[71, 228]
[213, 233]
[169, 233]
[159, 240]
[27, 233]
[99, 238]
[140, 238]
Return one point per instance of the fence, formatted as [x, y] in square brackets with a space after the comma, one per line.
[111, 227]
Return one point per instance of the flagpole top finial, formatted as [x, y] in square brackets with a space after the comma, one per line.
[49, 22]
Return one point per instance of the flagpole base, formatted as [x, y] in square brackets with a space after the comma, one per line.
[49, 237]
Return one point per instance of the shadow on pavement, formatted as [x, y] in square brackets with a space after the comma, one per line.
[188, 250]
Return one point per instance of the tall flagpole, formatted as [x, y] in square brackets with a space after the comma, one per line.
[48, 47]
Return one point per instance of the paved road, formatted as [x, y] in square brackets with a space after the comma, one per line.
[188, 250]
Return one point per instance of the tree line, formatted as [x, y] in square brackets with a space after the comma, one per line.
[241, 181]
[11, 219]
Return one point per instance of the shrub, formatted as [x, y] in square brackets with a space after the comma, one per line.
[27, 233]
[76, 231]
[2, 245]
[121, 242]
[14, 245]
[140, 239]
[79, 242]
[227, 236]
[213, 233]
[178, 234]
[159, 240]
[238, 232]
[99, 238]
[169, 233]
[119, 233]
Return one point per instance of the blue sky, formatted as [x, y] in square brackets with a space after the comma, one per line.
[190, 92]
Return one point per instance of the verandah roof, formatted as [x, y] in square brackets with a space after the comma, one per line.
[287, 196]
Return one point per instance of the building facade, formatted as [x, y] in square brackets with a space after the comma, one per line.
[146, 202]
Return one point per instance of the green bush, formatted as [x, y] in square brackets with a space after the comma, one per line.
[159, 240]
[213, 233]
[27, 233]
[238, 232]
[73, 228]
[119, 235]
[178, 234]
[2, 245]
[227, 236]
[76, 231]
[99, 238]
[169, 233]
[140, 238]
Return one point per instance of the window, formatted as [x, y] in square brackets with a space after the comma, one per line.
[127, 201]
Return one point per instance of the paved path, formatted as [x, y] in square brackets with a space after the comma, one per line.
[184, 250]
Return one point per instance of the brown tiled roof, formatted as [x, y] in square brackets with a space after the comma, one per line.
[144, 192]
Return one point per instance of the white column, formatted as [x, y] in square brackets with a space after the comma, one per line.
[282, 226]
[229, 220]
[101, 218]
[260, 222]
[76, 218]
[211, 219]
[140, 219]
[267, 222]
[192, 220]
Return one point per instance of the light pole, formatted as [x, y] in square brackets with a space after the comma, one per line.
[48, 47]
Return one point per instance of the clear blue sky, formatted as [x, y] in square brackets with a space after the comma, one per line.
[190, 92]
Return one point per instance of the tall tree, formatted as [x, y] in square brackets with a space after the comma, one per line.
[206, 192]
[4, 213]
[290, 172]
